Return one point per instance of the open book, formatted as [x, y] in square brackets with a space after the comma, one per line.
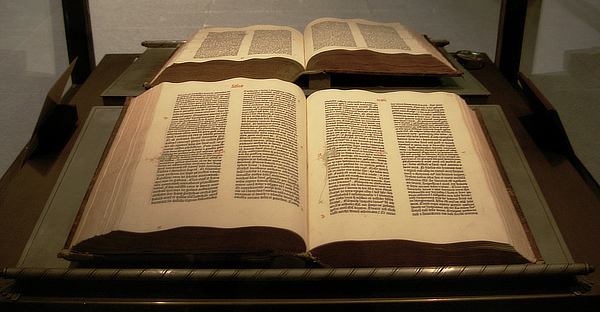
[349, 178]
[328, 45]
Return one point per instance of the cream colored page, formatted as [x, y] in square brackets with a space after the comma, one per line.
[513, 223]
[348, 36]
[239, 44]
[105, 203]
[224, 211]
[402, 222]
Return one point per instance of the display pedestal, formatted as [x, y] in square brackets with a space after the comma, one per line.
[553, 197]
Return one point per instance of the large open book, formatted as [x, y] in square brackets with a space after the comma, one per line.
[328, 45]
[349, 178]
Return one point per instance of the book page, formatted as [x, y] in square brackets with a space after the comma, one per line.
[327, 34]
[239, 44]
[105, 203]
[224, 154]
[400, 165]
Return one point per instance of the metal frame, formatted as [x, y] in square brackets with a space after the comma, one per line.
[510, 38]
[78, 32]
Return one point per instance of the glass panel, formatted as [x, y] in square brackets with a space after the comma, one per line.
[120, 26]
[561, 55]
[33, 54]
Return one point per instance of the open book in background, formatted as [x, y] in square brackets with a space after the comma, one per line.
[327, 45]
[349, 178]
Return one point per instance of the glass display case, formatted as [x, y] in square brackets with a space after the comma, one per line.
[558, 199]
